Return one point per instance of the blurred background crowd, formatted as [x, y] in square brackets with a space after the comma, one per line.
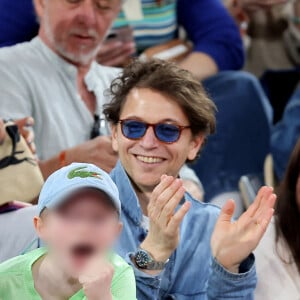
[245, 52]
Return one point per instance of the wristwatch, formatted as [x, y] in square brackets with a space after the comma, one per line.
[145, 261]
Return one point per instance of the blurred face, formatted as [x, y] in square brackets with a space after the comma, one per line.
[85, 225]
[147, 159]
[75, 29]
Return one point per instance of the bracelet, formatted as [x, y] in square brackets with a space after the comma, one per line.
[62, 158]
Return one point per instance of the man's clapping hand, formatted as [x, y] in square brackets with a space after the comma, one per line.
[232, 242]
[163, 235]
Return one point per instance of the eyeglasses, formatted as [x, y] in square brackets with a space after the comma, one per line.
[164, 132]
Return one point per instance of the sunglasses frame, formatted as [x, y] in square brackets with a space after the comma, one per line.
[153, 126]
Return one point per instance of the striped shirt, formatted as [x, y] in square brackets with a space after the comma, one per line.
[207, 24]
[159, 23]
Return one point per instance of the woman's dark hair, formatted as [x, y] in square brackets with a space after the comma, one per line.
[169, 79]
[287, 219]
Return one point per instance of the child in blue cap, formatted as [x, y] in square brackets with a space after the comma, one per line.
[79, 210]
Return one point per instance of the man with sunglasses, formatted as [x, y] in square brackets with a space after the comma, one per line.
[160, 118]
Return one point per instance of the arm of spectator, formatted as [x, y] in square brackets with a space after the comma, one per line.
[200, 64]
[216, 37]
[241, 285]
[98, 151]
[254, 5]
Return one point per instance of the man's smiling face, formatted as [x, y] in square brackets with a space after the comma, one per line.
[147, 159]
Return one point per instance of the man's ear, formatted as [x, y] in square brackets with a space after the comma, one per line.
[114, 136]
[195, 145]
[39, 6]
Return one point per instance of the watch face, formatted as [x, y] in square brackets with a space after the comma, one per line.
[142, 259]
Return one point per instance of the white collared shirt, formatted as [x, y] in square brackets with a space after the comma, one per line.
[35, 81]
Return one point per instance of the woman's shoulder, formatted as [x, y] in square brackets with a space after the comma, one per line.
[275, 268]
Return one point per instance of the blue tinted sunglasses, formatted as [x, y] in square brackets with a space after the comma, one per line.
[164, 132]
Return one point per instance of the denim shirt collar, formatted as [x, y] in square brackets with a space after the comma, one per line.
[130, 203]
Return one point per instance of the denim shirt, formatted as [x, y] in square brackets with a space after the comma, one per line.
[192, 272]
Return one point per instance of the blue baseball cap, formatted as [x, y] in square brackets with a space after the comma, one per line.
[70, 179]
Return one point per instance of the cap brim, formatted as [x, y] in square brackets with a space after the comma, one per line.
[66, 195]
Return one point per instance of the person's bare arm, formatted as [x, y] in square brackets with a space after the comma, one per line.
[199, 64]
[97, 151]
[254, 5]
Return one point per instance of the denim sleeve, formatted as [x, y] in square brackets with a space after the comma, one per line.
[285, 135]
[225, 285]
[212, 31]
[147, 285]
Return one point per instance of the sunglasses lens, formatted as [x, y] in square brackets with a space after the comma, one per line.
[133, 129]
[167, 133]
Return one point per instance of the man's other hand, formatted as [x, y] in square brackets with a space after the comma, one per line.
[98, 151]
[233, 242]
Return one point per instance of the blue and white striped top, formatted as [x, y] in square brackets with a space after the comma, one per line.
[158, 26]
[207, 24]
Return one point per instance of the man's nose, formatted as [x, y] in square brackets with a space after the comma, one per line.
[87, 12]
[149, 140]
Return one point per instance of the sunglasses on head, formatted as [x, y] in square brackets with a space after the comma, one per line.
[164, 132]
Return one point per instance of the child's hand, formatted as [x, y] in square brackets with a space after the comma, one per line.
[96, 279]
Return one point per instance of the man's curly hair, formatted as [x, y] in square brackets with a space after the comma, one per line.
[169, 79]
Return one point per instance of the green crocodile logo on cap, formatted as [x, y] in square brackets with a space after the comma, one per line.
[81, 173]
